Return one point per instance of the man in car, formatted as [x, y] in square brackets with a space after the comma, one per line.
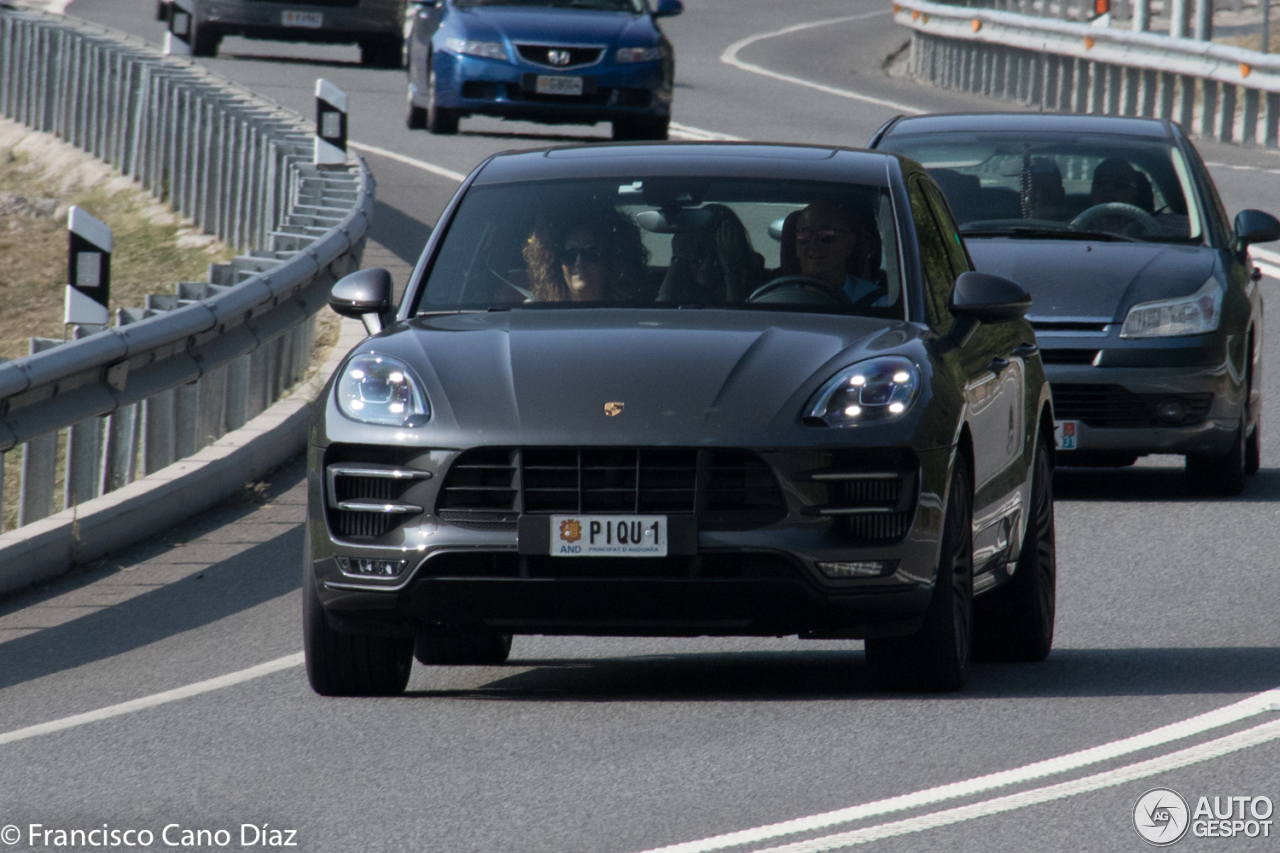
[839, 245]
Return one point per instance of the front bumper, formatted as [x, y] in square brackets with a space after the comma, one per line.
[754, 582]
[264, 20]
[1113, 391]
[476, 86]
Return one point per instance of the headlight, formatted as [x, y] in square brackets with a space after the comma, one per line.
[871, 391]
[377, 389]
[638, 54]
[487, 49]
[1188, 315]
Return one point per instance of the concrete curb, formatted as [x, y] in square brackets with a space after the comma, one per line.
[145, 507]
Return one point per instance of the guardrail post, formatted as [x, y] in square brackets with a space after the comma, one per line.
[1187, 102]
[1150, 86]
[1208, 106]
[1177, 18]
[1249, 130]
[1130, 102]
[158, 443]
[1271, 120]
[1225, 131]
[1203, 26]
[39, 463]
[1141, 15]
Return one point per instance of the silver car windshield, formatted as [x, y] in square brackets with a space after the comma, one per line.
[1073, 185]
[635, 7]
[674, 242]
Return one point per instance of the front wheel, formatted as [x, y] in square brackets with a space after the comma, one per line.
[936, 658]
[439, 120]
[1221, 476]
[340, 664]
[1015, 622]
[204, 40]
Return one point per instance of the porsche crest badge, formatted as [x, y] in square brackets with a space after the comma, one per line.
[613, 409]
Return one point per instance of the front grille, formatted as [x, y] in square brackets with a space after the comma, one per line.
[726, 489]
[1068, 356]
[1115, 407]
[722, 566]
[541, 54]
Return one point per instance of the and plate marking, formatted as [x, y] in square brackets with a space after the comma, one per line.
[608, 536]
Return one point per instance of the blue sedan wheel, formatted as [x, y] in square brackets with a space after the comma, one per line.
[439, 119]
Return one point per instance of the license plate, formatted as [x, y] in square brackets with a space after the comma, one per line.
[310, 20]
[548, 84]
[1064, 434]
[608, 536]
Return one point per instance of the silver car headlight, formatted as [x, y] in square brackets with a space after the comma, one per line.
[378, 389]
[872, 391]
[1188, 315]
[468, 47]
[638, 54]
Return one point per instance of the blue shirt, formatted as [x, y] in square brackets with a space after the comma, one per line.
[857, 288]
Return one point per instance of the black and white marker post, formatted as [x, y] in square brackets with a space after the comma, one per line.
[331, 124]
[88, 270]
[177, 39]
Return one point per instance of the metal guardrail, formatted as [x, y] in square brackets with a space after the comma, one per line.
[179, 372]
[1217, 91]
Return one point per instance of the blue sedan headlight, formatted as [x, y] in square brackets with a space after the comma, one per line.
[378, 389]
[872, 391]
[638, 54]
[468, 47]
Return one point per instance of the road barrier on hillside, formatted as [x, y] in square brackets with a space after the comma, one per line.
[187, 367]
[1216, 91]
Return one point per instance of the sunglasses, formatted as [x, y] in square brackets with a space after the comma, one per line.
[825, 236]
[569, 255]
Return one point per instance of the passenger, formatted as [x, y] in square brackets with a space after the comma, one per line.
[1043, 196]
[592, 255]
[715, 263]
[840, 245]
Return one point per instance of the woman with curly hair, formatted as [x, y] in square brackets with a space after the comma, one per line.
[590, 255]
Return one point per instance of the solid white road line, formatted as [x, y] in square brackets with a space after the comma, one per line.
[208, 686]
[1174, 731]
[684, 131]
[1109, 779]
[1239, 168]
[730, 57]
[409, 161]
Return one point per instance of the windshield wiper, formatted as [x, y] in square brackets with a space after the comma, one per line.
[1034, 233]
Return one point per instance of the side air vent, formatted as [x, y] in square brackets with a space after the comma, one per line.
[366, 500]
[871, 496]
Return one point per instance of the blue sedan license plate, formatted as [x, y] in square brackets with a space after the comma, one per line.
[608, 536]
[548, 84]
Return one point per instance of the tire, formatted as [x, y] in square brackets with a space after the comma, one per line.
[1015, 622]
[439, 120]
[641, 128]
[416, 118]
[1220, 476]
[1253, 450]
[470, 648]
[340, 664]
[382, 52]
[936, 658]
[204, 41]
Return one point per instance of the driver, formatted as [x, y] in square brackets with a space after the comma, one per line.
[1114, 180]
[840, 245]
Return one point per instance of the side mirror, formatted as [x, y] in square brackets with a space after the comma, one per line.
[989, 298]
[1254, 226]
[668, 9]
[366, 296]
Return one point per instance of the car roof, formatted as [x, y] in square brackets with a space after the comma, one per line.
[1030, 123]
[702, 159]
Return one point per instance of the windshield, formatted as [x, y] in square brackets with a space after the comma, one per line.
[670, 242]
[1068, 185]
[635, 7]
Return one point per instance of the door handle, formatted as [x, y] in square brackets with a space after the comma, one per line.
[1025, 350]
[997, 365]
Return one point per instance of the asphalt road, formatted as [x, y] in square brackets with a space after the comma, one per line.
[1167, 609]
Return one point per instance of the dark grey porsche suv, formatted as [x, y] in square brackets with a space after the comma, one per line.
[683, 390]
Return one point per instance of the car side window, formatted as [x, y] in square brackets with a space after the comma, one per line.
[956, 253]
[939, 277]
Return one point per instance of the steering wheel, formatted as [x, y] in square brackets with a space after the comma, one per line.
[799, 289]
[1134, 215]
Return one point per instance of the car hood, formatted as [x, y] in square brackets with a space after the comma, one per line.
[1077, 278]
[683, 377]
[547, 26]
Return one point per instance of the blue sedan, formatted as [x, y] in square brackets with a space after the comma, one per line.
[548, 61]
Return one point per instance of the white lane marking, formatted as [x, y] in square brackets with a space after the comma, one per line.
[1109, 779]
[730, 57]
[207, 686]
[684, 131]
[1075, 760]
[409, 161]
[1236, 168]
